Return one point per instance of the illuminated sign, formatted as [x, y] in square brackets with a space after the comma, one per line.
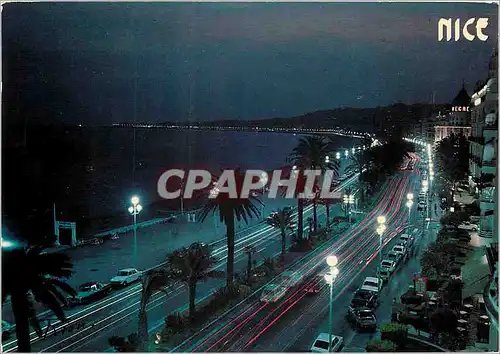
[460, 109]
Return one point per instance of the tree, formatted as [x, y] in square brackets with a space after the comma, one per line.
[455, 218]
[327, 202]
[357, 163]
[395, 332]
[152, 281]
[27, 270]
[444, 320]
[310, 154]
[435, 261]
[377, 345]
[282, 220]
[191, 265]
[230, 209]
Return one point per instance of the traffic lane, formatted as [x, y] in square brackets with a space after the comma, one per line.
[290, 331]
[158, 308]
[302, 322]
[268, 245]
[259, 236]
[327, 251]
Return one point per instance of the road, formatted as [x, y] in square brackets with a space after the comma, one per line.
[292, 324]
[117, 314]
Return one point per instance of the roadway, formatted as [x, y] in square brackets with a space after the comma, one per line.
[117, 313]
[292, 324]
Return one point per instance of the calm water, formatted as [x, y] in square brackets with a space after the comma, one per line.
[111, 180]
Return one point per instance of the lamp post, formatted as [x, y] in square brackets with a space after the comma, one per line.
[348, 201]
[330, 279]
[135, 209]
[409, 203]
[380, 231]
[264, 178]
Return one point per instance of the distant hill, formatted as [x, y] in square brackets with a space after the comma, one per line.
[397, 117]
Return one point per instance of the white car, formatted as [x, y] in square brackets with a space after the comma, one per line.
[406, 239]
[400, 249]
[320, 344]
[468, 226]
[371, 284]
[272, 293]
[388, 265]
[126, 276]
[290, 279]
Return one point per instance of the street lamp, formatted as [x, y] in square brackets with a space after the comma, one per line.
[337, 155]
[135, 209]
[348, 201]
[332, 262]
[380, 231]
[346, 153]
[264, 178]
[409, 203]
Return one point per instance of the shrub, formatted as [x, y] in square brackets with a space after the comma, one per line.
[175, 322]
[395, 332]
[121, 344]
[377, 345]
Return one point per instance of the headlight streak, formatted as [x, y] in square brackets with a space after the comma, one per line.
[197, 347]
[136, 289]
[390, 204]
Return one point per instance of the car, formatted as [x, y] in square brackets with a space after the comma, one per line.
[406, 239]
[272, 293]
[388, 265]
[362, 318]
[400, 249]
[292, 226]
[384, 275]
[468, 226]
[394, 256]
[364, 298]
[7, 330]
[371, 284]
[343, 177]
[421, 205]
[89, 292]
[320, 344]
[290, 278]
[287, 209]
[126, 276]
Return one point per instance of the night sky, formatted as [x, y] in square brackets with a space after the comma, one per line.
[80, 62]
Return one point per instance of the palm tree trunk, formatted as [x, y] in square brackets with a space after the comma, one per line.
[143, 329]
[249, 265]
[230, 250]
[300, 218]
[20, 308]
[192, 298]
[315, 216]
[283, 243]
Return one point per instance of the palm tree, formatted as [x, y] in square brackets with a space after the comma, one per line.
[230, 209]
[153, 281]
[26, 270]
[191, 265]
[310, 154]
[326, 202]
[282, 220]
[357, 163]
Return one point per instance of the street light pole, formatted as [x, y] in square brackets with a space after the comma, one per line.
[380, 231]
[135, 209]
[409, 203]
[330, 278]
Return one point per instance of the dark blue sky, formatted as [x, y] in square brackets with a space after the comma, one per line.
[78, 62]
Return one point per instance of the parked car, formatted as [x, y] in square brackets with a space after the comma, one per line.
[421, 205]
[394, 256]
[7, 330]
[384, 275]
[364, 298]
[362, 318]
[400, 249]
[388, 265]
[272, 293]
[406, 240]
[343, 177]
[126, 277]
[468, 226]
[371, 284]
[89, 292]
[320, 344]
